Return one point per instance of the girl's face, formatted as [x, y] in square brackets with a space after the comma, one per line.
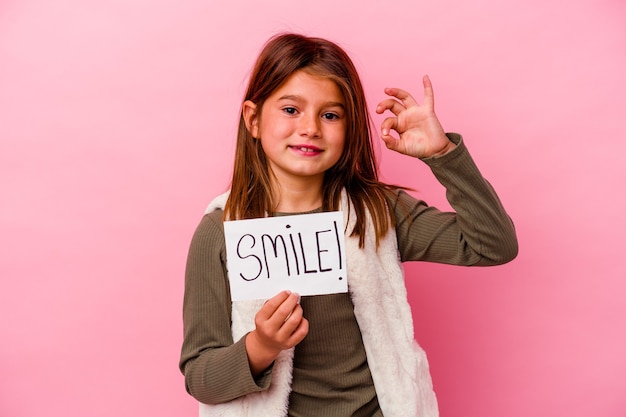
[302, 128]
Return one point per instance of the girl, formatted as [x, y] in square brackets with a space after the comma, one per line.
[304, 145]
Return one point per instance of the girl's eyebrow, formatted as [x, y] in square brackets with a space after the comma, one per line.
[299, 98]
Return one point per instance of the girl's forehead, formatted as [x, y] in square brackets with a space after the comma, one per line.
[304, 84]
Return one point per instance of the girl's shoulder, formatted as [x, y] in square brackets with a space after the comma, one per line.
[399, 196]
[211, 226]
[402, 203]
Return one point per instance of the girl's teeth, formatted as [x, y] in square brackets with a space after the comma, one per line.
[305, 149]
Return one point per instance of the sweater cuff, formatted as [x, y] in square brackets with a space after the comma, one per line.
[261, 382]
[460, 149]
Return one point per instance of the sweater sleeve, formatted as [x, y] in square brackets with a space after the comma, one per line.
[216, 368]
[478, 232]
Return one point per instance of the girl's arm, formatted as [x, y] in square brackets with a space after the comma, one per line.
[279, 325]
[216, 369]
[479, 232]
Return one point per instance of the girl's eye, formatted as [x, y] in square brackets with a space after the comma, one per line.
[330, 116]
[290, 110]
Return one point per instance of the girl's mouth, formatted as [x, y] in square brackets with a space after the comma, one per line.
[306, 149]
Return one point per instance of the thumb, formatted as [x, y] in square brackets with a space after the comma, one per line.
[389, 124]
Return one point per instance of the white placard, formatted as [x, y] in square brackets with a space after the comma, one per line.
[303, 253]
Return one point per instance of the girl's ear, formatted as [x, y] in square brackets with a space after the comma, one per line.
[249, 112]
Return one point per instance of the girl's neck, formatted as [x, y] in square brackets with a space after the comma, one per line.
[297, 199]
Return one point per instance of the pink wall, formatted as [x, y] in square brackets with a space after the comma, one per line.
[116, 127]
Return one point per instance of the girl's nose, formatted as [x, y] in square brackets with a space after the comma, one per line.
[309, 126]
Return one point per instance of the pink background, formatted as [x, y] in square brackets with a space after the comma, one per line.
[117, 124]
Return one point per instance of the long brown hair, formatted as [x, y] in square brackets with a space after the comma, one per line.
[356, 170]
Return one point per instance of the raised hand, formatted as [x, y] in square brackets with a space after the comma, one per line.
[280, 325]
[419, 132]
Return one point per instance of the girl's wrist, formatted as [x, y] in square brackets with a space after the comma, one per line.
[446, 149]
[259, 356]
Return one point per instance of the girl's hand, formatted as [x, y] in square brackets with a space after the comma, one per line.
[419, 130]
[280, 325]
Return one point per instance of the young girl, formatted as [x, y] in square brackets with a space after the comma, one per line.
[304, 146]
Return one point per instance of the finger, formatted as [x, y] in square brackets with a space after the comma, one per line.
[300, 332]
[293, 320]
[391, 143]
[295, 327]
[271, 305]
[429, 96]
[285, 310]
[401, 95]
[389, 124]
[390, 104]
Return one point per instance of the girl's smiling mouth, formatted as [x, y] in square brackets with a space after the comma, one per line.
[306, 149]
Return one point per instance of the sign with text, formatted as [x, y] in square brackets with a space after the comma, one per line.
[304, 253]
